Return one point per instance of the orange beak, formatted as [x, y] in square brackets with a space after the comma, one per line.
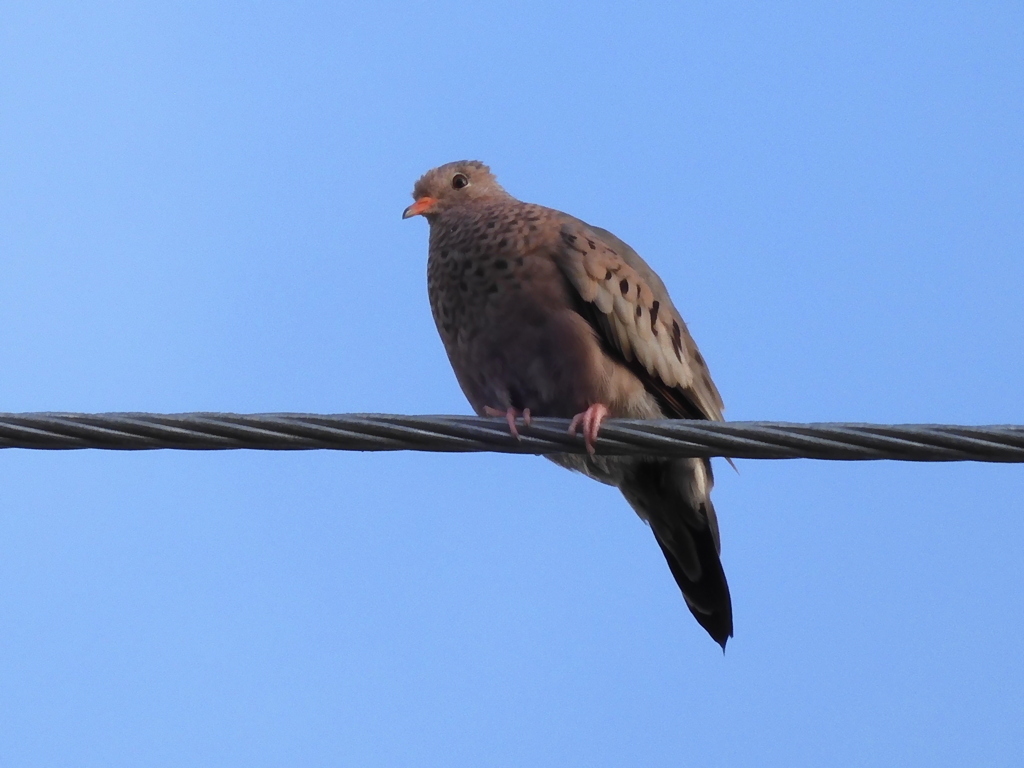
[421, 206]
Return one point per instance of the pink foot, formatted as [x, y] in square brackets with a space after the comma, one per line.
[511, 414]
[591, 420]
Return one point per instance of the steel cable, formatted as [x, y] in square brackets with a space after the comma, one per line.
[385, 432]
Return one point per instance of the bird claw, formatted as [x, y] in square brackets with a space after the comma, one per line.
[591, 420]
[511, 414]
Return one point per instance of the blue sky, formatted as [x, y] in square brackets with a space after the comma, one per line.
[199, 210]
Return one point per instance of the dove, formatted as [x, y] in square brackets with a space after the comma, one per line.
[542, 314]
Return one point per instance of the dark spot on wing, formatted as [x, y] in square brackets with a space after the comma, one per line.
[624, 286]
[500, 264]
[677, 341]
[654, 317]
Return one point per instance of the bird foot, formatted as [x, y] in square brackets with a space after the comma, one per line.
[511, 414]
[591, 420]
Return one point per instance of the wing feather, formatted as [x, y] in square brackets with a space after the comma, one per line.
[630, 309]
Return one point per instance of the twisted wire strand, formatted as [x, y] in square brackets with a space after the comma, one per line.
[461, 434]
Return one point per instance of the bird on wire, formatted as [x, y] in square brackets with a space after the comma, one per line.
[542, 314]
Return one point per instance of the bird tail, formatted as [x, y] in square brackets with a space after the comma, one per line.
[673, 496]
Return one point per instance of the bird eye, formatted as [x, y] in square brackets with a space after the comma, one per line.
[460, 180]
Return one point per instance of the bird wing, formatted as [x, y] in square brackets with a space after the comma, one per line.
[629, 307]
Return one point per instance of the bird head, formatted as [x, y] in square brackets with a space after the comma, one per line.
[451, 185]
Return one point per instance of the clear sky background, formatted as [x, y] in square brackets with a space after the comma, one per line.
[199, 210]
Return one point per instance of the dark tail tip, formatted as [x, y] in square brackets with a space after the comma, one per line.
[717, 624]
[707, 598]
[720, 639]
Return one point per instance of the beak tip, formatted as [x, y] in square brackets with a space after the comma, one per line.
[418, 208]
